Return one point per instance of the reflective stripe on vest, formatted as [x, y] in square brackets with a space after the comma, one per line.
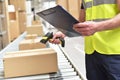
[105, 42]
[90, 3]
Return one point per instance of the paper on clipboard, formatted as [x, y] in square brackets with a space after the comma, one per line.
[61, 19]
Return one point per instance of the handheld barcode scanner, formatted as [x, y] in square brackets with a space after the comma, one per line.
[49, 36]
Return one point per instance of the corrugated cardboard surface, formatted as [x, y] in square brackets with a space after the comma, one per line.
[31, 36]
[72, 6]
[30, 62]
[75, 11]
[22, 21]
[31, 44]
[36, 22]
[35, 29]
[12, 15]
[1, 7]
[13, 29]
[63, 3]
[19, 4]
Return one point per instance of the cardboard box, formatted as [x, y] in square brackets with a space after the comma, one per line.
[1, 7]
[13, 29]
[36, 22]
[68, 5]
[30, 62]
[63, 3]
[31, 36]
[19, 4]
[35, 29]
[22, 21]
[31, 44]
[74, 11]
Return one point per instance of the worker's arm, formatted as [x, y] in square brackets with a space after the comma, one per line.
[89, 28]
[82, 14]
[112, 23]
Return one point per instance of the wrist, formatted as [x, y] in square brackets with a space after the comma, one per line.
[105, 25]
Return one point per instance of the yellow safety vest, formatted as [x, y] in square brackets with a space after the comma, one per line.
[104, 42]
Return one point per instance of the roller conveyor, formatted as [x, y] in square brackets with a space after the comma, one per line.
[66, 70]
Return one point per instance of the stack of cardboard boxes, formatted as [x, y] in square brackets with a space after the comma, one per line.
[16, 19]
[20, 6]
[33, 37]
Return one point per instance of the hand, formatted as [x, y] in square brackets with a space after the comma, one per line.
[57, 35]
[86, 28]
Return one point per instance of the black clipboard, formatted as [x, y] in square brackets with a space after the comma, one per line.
[61, 19]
